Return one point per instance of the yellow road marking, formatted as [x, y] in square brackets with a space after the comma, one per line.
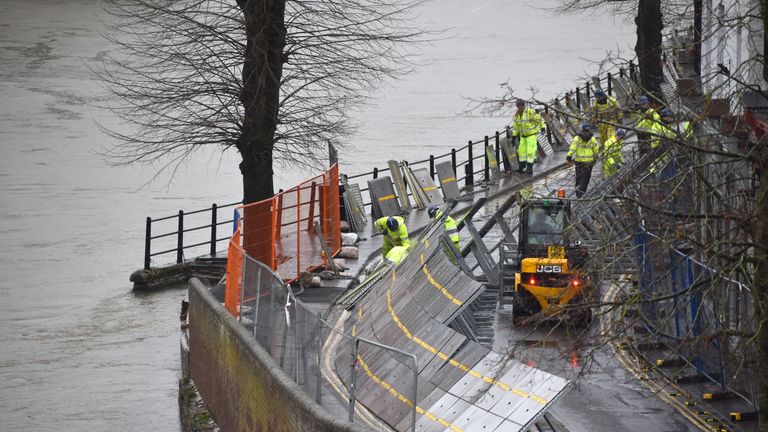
[449, 179]
[386, 197]
[452, 362]
[429, 188]
[404, 399]
[437, 285]
[335, 383]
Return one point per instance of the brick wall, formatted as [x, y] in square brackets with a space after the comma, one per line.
[243, 387]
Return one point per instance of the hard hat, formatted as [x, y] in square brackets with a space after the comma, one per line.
[666, 112]
[392, 223]
[432, 211]
[599, 93]
[585, 126]
[520, 102]
[621, 133]
[644, 99]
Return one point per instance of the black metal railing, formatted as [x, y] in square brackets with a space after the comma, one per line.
[460, 160]
[201, 234]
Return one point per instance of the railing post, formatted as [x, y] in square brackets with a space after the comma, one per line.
[147, 243]
[499, 159]
[610, 84]
[468, 181]
[214, 218]
[470, 164]
[375, 173]
[486, 162]
[632, 70]
[587, 91]
[549, 131]
[621, 72]
[578, 98]
[180, 239]
[311, 207]
[432, 167]
[453, 160]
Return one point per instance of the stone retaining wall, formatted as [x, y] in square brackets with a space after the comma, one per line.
[242, 386]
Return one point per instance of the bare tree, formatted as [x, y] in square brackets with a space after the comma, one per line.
[275, 79]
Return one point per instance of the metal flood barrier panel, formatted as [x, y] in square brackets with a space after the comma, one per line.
[427, 186]
[507, 144]
[447, 178]
[490, 153]
[462, 386]
[383, 198]
[397, 177]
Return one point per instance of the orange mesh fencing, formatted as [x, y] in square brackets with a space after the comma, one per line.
[234, 274]
[280, 232]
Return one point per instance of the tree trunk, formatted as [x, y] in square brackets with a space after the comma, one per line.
[260, 94]
[648, 47]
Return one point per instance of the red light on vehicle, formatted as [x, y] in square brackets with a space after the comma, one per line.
[532, 281]
[576, 282]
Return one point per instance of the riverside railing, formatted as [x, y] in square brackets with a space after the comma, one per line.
[199, 230]
[468, 161]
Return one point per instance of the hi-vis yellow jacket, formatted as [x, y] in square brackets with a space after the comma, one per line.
[584, 151]
[526, 124]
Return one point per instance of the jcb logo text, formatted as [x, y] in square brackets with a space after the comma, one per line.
[549, 269]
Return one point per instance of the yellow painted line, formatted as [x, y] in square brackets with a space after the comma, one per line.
[468, 370]
[449, 179]
[386, 198]
[359, 317]
[429, 188]
[333, 380]
[437, 285]
[404, 399]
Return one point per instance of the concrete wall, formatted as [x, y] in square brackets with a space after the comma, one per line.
[243, 387]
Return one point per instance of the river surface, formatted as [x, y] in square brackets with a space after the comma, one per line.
[80, 350]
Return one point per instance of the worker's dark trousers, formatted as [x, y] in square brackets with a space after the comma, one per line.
[643, 142]
[583, 175]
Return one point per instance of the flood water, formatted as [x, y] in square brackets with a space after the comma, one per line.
[80, 350]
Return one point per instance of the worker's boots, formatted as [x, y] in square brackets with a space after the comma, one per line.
[521, 167]
[529, 171]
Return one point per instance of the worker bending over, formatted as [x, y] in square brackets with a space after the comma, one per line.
[451, 228]
[526, 124]
[395, 233]
[584, 150]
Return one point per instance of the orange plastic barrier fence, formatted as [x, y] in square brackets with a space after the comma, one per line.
[234, 274]
[280, 231]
